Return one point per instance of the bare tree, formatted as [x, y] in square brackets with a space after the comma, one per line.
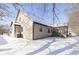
[4, 28]
[74, 18]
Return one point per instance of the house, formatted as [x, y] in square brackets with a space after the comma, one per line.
[4, 29]
[29, 27]
[25, 27]
[61, 31]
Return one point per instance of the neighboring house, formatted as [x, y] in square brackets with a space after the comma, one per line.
[4, 29]
[61, 31]
[1, 32]
[30, 27]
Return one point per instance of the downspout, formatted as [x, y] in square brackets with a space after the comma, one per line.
[33, 31]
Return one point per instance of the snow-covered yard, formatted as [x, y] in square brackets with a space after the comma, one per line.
[47, 46]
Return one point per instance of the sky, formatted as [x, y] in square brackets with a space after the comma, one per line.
[37, 9]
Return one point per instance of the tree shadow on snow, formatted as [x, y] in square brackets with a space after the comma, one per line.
[74, 53]
[1, 50]
[41, 49]
[2, 41]
[62, 49]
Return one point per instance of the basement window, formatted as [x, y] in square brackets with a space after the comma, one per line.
[48, 30]
[40, 29]
[19, 35]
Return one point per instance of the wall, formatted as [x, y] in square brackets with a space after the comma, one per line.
[43, 34]
[26, 24]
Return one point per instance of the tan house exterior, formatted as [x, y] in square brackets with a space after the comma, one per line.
[25, 27]
[41, 30]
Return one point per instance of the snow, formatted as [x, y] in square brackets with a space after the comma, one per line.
[59, 25]
[46, 46]
[34, 18]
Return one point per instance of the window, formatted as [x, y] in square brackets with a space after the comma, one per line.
[40, 29]
[19, 35]
[48, 30]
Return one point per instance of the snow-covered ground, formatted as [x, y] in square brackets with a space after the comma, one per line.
[47, 46]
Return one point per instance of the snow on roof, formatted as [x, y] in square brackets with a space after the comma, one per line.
[42, 21]
[58, 25]
[14, 23]
[34, 17]
[37, 19]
